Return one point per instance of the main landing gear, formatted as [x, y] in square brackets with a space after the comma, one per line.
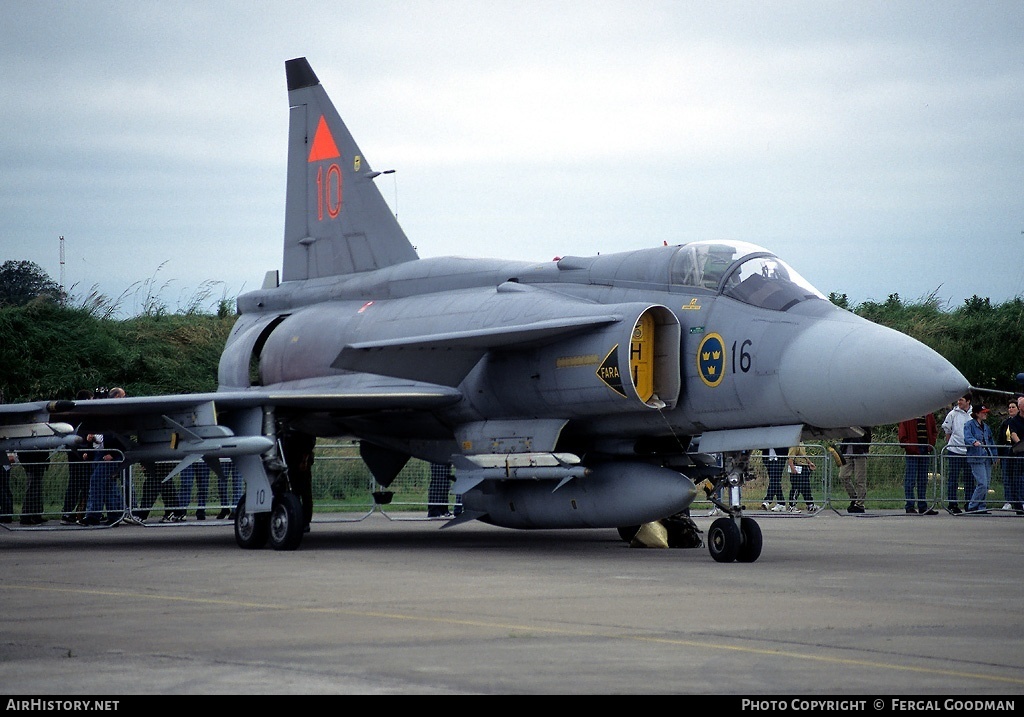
[289, 475]
[282, 527]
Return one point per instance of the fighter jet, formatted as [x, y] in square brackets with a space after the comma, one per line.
[585, 392]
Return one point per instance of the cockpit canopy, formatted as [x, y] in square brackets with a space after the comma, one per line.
[742, 271]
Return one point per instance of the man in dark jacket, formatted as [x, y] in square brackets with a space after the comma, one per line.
[79, 458]
[918, 436]
[854, 473]
[35, 464]
[104, 489]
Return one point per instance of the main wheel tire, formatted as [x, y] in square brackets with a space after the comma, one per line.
[251, 529]
[724, 540]
[750, 545]
[286, 524]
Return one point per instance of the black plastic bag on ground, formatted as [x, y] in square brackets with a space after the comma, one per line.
[682, 531]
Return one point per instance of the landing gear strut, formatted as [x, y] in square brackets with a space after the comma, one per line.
[282, 481]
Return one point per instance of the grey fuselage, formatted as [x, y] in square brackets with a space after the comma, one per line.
[805, 362]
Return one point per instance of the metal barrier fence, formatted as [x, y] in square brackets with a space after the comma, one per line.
[948, 481]
[47, 490]
[775, 489]
[50, 490]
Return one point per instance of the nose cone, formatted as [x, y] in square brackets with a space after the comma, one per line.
[851, 372]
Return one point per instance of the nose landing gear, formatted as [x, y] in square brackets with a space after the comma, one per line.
[734, 537]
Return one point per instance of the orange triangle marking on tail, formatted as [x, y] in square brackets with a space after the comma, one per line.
[323, 143]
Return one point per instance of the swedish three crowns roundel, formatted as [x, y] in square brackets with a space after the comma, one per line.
[711, 360]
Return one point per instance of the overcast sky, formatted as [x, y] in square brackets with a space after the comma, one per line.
[878, 147]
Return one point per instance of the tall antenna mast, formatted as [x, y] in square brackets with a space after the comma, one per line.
[61, 289]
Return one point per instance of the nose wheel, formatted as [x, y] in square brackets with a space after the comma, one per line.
[734, 539]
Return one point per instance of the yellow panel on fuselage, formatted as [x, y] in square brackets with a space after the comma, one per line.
[641, 357]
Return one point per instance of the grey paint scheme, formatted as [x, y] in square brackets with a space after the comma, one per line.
[360, 240]
[444, 357]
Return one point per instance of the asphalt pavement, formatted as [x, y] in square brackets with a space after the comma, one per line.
[880, 604]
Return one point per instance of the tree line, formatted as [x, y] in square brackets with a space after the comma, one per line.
[52, 347]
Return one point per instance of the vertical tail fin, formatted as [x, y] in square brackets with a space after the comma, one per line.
[336, 221]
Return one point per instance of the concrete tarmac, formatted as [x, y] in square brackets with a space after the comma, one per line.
[881, 604]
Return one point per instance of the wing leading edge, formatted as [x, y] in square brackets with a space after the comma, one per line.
[166, 427]
[445, 358]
